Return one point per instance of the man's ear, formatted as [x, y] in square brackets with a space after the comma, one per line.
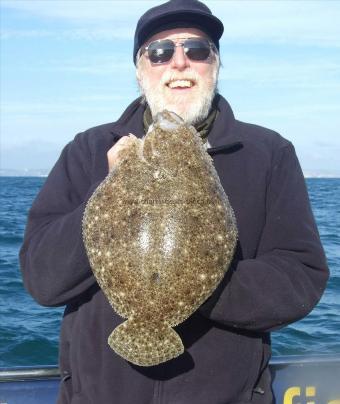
[139, 70]
[138, 74]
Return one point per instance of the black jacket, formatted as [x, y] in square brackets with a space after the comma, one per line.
[278, 274]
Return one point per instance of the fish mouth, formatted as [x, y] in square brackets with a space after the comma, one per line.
[181, 84]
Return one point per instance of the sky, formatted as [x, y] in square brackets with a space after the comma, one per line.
[67, 66]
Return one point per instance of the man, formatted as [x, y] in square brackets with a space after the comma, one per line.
[279, 271]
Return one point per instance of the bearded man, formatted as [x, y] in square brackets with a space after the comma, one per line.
[279, 271]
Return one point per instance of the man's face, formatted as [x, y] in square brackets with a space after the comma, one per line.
[181, 85]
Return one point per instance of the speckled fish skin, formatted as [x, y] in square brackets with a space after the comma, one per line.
[160, 234]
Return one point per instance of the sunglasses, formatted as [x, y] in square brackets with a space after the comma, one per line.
[162, 50]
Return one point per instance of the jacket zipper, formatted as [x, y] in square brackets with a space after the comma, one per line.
[157, 396]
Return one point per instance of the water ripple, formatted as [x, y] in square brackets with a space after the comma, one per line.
[29, 333]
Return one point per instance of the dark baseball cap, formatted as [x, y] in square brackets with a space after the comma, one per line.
[177, 14]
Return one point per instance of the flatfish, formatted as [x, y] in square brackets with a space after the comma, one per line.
[160, 234]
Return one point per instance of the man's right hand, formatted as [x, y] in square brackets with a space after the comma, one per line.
[116, 153]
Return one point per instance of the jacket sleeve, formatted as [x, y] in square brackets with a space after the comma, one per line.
[53, 259]
[289, 273]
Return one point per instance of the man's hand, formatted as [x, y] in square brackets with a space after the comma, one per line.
[116, 153]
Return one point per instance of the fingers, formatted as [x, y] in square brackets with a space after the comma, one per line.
[116, 153]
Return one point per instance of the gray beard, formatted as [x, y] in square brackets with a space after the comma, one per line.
[192, 112]
[191, 117]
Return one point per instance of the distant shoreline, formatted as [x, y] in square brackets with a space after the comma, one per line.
[24, 175]
[44, 172]
[308, 176]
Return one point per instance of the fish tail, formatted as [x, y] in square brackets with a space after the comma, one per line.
[145, 344]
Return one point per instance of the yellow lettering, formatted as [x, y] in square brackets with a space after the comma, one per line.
[290, 394]
[334, 402]
[310, 392]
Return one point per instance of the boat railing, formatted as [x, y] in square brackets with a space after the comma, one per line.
[52, 371]
[23, 373]
[308, 379]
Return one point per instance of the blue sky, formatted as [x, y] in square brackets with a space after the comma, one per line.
[67, 66]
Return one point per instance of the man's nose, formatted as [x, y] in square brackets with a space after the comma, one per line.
[179, 60]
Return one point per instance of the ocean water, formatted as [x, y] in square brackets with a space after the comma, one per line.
[29, 333]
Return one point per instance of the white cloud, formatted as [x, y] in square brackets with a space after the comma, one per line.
[30, 33]
[80, 11]
[294, 22]
[295, 89]
[71, 105]
[291, 112]
[87, 34]
[108, 67]
[311, 72]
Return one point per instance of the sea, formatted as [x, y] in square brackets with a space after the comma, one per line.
[29, 333]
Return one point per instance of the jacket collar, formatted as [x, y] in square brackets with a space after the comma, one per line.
[131, 120]
[221, 138]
